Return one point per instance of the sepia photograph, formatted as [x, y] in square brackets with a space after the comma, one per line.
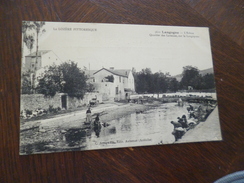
[90, 86]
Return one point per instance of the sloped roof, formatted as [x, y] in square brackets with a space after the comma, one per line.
[40, 53]
[122, 72]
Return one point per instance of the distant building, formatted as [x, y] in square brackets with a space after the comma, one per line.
[36, 66]
[44, 58]
[116, 84]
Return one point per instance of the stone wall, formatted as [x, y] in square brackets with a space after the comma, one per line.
[35, 101]
[38, 101]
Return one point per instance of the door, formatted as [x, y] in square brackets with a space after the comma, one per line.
[64, 101]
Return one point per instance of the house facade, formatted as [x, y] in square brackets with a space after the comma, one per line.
[114, 84]
[44, 58]
[36, 65]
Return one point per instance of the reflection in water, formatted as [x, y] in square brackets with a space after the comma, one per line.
[144, 128]
[74, 136]
[148, 128]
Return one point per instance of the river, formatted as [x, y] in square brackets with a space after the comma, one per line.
[151, 127]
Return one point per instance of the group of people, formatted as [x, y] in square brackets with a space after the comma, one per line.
[180, 127]
[97, 125]
[191, 111]
[183, 124]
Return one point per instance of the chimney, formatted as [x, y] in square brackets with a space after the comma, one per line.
[111, 68]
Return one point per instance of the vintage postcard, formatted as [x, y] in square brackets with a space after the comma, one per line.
[87, 86]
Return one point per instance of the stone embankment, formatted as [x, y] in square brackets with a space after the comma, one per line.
[205, 131]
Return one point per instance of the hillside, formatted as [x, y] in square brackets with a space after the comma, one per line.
[202, 72]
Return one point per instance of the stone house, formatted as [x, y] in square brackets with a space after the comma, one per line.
[115, 84]
[44, 58]
[36, 66]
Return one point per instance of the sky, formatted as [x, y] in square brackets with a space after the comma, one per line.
[124, 46]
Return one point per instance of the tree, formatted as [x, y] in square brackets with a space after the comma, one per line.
[191, 77]
[147, 82]
[208, 81]
[90, 87]
[143, 80]
[49, 83]
[38, 28]
[64, 78]
[28, 39]
[159, 83]
[26, 83]
[173, 85]
[74, 78]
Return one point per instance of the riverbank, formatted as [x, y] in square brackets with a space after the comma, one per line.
[205, 131]
[49, 135]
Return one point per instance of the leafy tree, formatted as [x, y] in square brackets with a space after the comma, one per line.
[38, 27]
[90, 87]
[173, 84]
[74, 78]
[147, 82]
[208, 81]
[159, 83]
[50, 81]
[143, 81]
[191, 77]
[65, 78]
[26, 83]
[28, 39]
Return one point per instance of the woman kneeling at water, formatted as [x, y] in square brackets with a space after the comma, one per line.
[178, 130]
[97, 126]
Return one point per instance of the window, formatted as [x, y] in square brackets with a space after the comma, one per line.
[120, 79]
[117, 90]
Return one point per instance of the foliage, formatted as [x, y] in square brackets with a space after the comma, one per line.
[28, 29]
[173, 85]
[90, 87]
[29, 41]
[26, 83]
[147, 82]
[50, 81]
[192, 77]
[208, 81]
[74, 79]
[51, 109]
[64, 78]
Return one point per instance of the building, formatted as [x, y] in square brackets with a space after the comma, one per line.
[113, 84]
[36, 65]
[44, 58]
